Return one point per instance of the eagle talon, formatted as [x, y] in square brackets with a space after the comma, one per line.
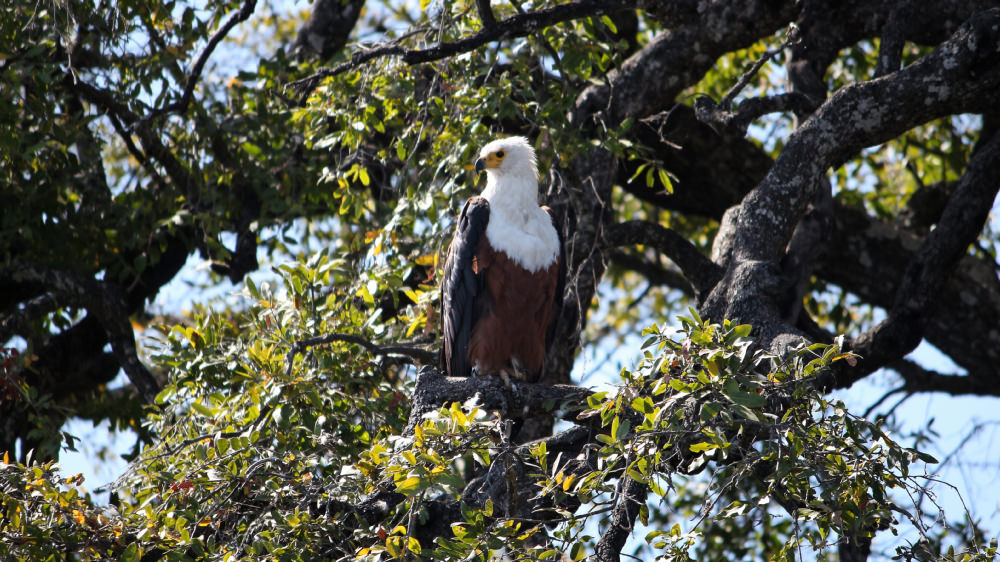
[521, 372]
[507, 380]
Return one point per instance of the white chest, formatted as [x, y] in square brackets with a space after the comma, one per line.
[528, 237]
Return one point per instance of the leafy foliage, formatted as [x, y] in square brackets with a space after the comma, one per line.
[261, 451]
[283, 430]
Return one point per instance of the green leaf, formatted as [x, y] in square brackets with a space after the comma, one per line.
[733, 392]
[131, 553]
[203, 409]
[410, 486]
[746, 413]
[620, 430]
[611, 24]
[665, 180]
[604, 438]
[742, 331]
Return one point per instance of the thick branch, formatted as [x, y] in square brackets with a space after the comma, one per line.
[329, 26]
[934, 262]
[920, 379]
[486, 13]
[963, 74]
[867, 257]
[17, 319]
[890, 50]
[700, 270]
[712, 172]
[631, 496]
[104, 301]
[650, 80]
[751, 109]
[652, 272]
[514, 400]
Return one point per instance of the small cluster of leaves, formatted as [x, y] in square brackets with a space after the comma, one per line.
[44, 515]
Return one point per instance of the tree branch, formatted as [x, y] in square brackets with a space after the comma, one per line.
[106, 302]
[328, 27]
[713, 172]
[718, 115]
[749, 110]
[486, 13]
[421, 355]
[651, 79]
[962, 74]
[181, 105]
[514, 400]
[958, 76]
[518, 25]
[652, 272]
[630, 498]
[960, 224]
[698, 268]
[917, 378]
[890, 49]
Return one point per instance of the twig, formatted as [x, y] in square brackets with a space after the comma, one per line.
[421, 355]
[719, 115]
[884, 397]
[791, 38]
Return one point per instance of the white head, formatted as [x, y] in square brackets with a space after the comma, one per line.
[509, 157]
[518, 226]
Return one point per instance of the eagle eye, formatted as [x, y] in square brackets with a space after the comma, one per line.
[500, 154]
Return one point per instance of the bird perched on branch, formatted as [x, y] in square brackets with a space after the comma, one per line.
[502, 281]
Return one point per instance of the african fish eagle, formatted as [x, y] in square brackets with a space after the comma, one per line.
[502, 279]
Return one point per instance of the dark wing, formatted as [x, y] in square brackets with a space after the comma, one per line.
[560, 283]
[462, 287]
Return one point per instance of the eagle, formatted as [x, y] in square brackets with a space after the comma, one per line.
[503, 277]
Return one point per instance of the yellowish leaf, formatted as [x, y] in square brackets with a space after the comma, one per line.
[427, 259]
[568, 481]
